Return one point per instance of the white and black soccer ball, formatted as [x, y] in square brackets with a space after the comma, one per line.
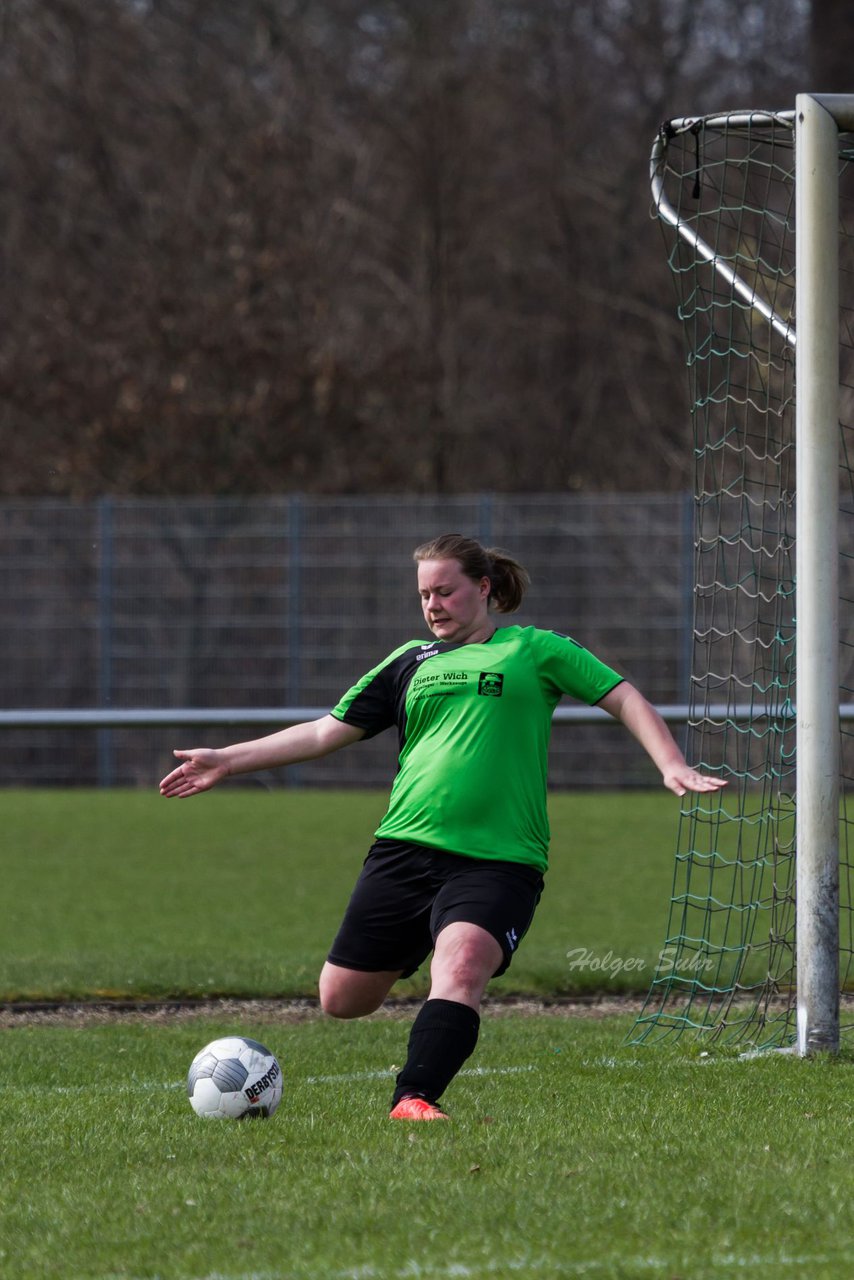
[234, 1078]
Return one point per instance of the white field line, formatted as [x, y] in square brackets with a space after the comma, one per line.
[389, 1073]
[355, 1077]
[717, 1264]
[725, 1264]
[347, 1077]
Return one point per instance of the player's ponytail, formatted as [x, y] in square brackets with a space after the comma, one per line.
[509, 579]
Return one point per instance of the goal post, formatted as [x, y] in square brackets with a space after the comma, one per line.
[817, 561]
[750, 205]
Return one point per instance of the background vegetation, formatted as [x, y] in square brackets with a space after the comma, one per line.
[356, 245]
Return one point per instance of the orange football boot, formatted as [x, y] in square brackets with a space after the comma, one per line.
[416, 1109]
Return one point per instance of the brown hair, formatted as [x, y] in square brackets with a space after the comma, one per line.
[509, 580]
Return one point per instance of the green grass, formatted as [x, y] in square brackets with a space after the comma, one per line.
[569, 1154]
[118, 893]
[566, 1156]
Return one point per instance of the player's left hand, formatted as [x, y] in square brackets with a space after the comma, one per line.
[683, 778]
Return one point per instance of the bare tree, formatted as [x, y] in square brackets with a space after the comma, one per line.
[831, 39]
[340, 245]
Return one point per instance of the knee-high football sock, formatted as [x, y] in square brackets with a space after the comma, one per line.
[443, 1035]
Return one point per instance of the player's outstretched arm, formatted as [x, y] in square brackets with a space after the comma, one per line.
[628, 705]
[203, 767]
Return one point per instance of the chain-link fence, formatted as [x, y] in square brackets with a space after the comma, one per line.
[284, 602]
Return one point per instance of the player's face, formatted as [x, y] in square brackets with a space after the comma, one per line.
[455, 607]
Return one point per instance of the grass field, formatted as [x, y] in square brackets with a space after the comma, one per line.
[566, 1156]
[570, 1154]
[240, 892]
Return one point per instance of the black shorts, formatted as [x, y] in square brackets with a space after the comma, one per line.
[407, 893]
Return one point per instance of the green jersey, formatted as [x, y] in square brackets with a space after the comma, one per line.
[474, 722]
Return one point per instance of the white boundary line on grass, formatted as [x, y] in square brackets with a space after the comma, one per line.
[389, 1072]
[413, 1270]
[356, 1077]
[461, 1271]
[347, 1077]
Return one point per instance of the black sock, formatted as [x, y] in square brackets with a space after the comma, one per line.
[443, 1035]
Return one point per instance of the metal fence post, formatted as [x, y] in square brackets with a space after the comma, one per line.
[294, 625]
[106, 764]
[484, 518]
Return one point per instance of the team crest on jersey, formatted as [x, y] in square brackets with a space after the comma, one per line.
[490, 684]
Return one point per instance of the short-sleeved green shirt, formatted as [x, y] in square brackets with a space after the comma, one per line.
[474, 722]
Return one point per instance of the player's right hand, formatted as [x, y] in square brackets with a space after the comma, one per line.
[202, 768]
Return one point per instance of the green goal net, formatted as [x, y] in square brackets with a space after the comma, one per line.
[724, 192]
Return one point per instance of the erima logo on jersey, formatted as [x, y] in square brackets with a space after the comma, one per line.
[431, 652]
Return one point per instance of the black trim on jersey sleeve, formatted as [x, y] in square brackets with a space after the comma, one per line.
[371, 706]
[378, 700]
[616, 685]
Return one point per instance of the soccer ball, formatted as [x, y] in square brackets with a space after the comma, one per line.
[234, 1078]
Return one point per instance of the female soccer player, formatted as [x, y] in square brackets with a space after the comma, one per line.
[457, 866]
